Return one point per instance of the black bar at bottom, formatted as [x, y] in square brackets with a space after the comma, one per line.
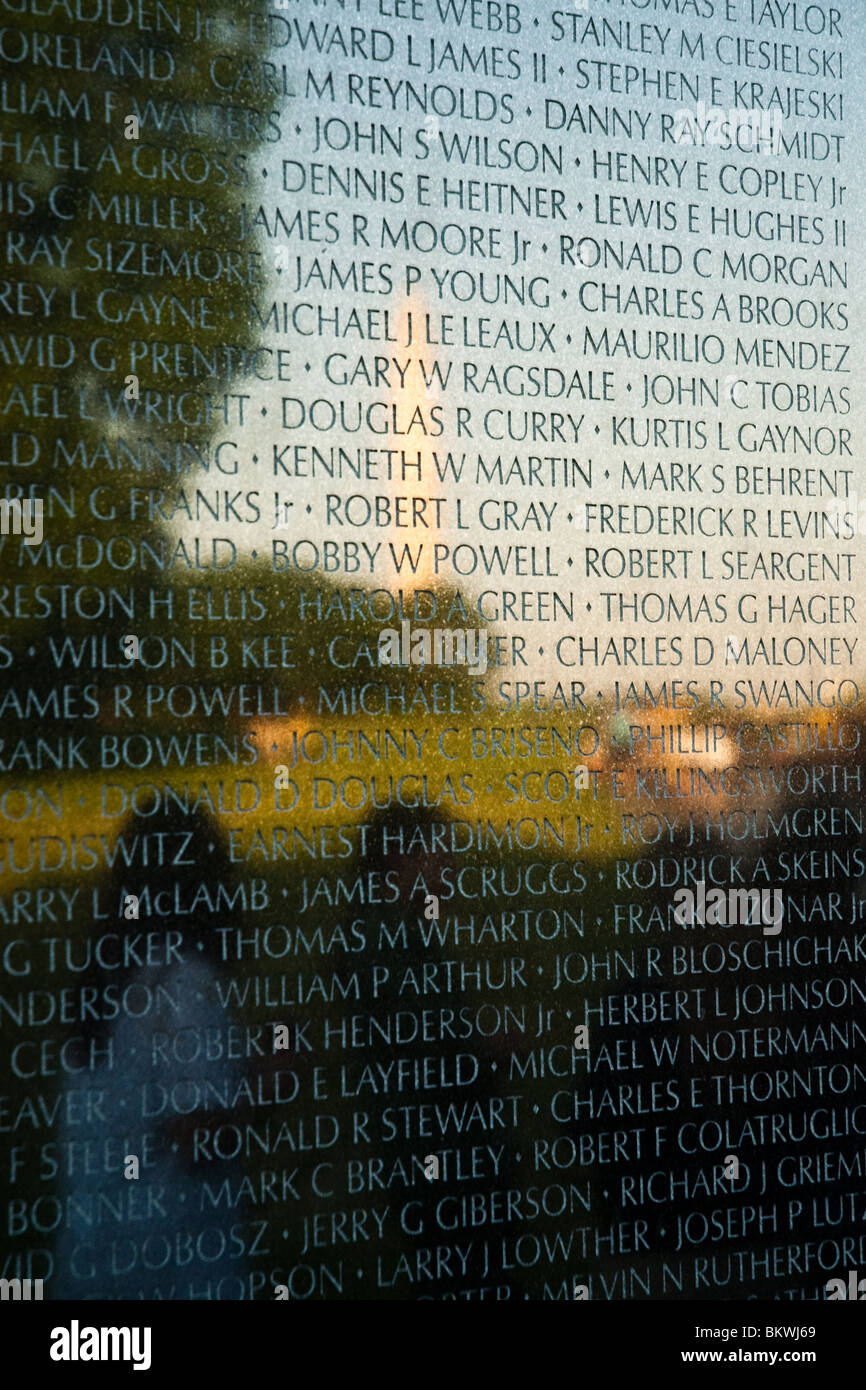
[238, 1341]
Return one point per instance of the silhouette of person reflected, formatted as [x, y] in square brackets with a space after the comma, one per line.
[138, 1222]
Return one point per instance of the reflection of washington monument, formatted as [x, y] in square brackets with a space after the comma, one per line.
[401, 510]
[420, 393]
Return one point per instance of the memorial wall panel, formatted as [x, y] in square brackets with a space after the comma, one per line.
[432, 856]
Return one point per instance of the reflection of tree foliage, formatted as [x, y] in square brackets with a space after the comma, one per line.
[207, 643]
[187, 171]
